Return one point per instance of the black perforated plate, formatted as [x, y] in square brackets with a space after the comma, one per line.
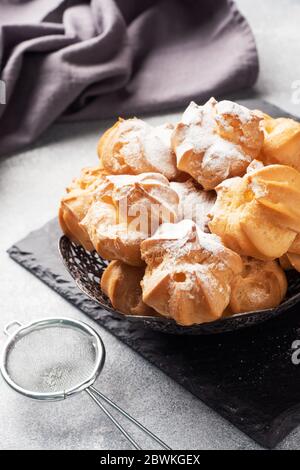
[86, 268]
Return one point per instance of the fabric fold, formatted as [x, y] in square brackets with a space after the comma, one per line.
[81, 59]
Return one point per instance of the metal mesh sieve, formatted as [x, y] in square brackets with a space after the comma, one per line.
[54, 358]
[51, 359]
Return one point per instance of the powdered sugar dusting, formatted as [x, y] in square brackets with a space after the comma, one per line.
[188, 235]
[213, 157]
[157, 149]
[226, 107]
[194, 203]
[188, 263]
[147, 146]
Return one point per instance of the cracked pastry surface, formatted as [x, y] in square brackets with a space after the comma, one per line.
[188, 274]
[126, 210]
[260, 285]
[216, 141]
[258, 215]
[132, 146]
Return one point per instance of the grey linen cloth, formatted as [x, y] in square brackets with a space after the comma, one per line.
[105, 58]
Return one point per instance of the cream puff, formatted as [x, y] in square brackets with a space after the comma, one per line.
[122, 285]
[133, 147]
[75, 204]
[260, 285]
[282, 142]
[216, 141]
[126, 210]
[189, 273]
[259, 215]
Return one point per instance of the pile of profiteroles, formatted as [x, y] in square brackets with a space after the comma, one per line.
[199, 219]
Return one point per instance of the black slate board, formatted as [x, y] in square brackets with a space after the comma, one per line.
[247, 376]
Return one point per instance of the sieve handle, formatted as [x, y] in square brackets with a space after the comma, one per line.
[9, 326]
[130, 418]
[113, 420]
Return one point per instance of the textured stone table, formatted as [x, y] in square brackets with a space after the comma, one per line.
[31, 183]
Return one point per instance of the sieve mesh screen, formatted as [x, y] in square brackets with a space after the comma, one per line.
[51, 359]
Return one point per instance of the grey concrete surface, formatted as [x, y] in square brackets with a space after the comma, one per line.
[275, 24]
[31, 184]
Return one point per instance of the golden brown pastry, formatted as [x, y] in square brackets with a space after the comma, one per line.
[132, 147]
[259, 215]
[260, 285]
[282, 142]
[291, 260]
[188, 274]
[126, 210]
[194, 203]
[76, 203]
[216, 141]
[122, 285]
[73, 208]
[87, 177]
[254, 165]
